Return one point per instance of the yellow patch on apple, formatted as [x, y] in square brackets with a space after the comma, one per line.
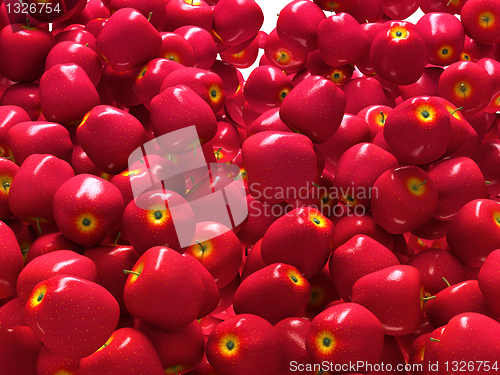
[426, 113]
[325, 343]
[296, 277]
[229, 345]
[416, 186]
[37, 296]
[86, 222]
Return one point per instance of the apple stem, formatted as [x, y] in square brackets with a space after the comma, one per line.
[383, 117]
[428, 298]
[456, 109]
[195, 148]
[28, 22]
[200, 245]
[239, 175]
[149, 17]
[246, 251]
[8, 157]
[367, 21]
[487, 182]
[24, 251]
[463, 89]
[316, 185]
[192, 181]
[175, 371]
[422, 183]
[449, 2]
[138, 158]
[38, 225]
[126, 272]
[86, 44]
[117, 237]
[446, 281]
[434, 340]
[217, 153]
[282, 55]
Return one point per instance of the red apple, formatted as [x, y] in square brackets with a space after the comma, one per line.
[352, 130]
[8, 171]
[35, 185]
[298, 24]
[24, 95]
[127, 350]
[153, 10]
[434, 265]
[49, 363]
[202, 43]
[236, 21]
[266, 88]
[39, 137]
[459, 181]
[70, 52]
[398, 53]
[108, 136]
[274, 293]
[283, 55]
[206, 84]
[405, 199]
[86, 208]
[163, 289]
[69, 105]
[20, 348]
[341, 40]
[301, 228]
[110, 261]
[443, 36]
[159, 218]
[315, 108]
[473, 233]
[469, 338]
[218, 249]
[479, 18]
[426, 132]
[125, 34]
[72, 317]
[243, 345]
[179, 351]
[13, 260]
[10, 115]
[488, 279]
[152, 75]
[454, 300]
[48, 242]
[358, 169]
[178, 108]
[359, 256]
[61, 262]
[186, 12]
[363, 92]
[467, 85]
[394, 294]
[24, 49]
[345, 333]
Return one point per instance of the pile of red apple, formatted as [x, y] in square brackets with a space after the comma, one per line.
[367, 153]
